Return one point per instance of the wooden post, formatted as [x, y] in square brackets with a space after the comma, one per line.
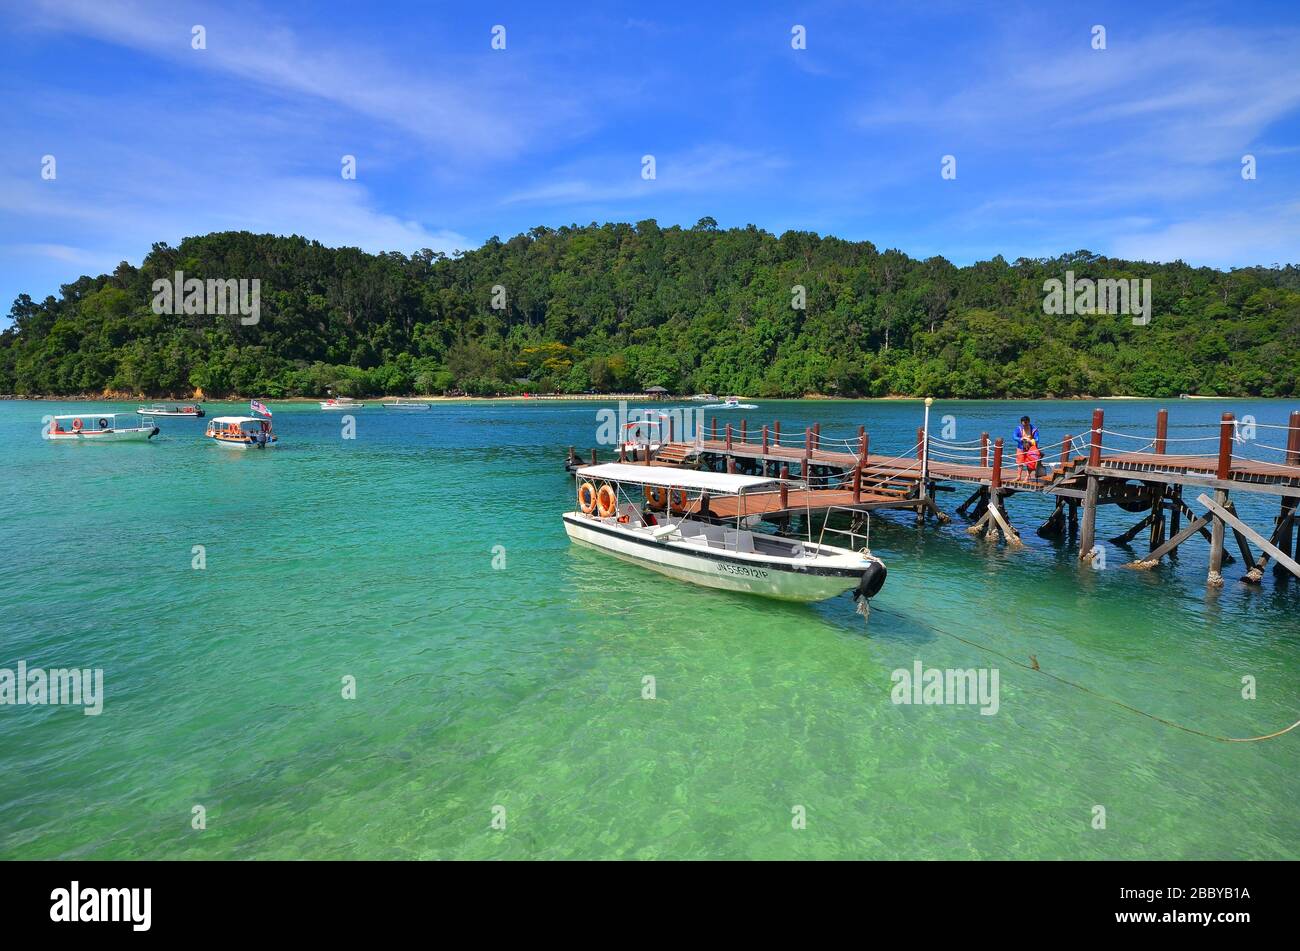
[1094, 443]
[731, 465]
[776, 433]
[713, 429]
[670, 429]
[1218, 528]
[1162, 431]
[984, 450]
[807, 448]
[622, 451]
[765, 439]
[1293, 439]
[593, 456]
[1088, 531]
[995, 480]
[816, 436]
[785, 487]
[1226, 430]
[1065, 451]
[744, 428]
[920, 442]
[857, 485]
[728, 437]
[862, 446]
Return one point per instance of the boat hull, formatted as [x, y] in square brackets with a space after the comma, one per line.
[711, 568]
[113, 435]
[241, 444]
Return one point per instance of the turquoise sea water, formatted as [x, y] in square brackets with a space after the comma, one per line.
[520, 687]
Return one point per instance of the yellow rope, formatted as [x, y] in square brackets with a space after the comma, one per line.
[1088, 690]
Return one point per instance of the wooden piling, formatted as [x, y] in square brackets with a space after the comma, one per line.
[1065, 451]
[776, 433]
[765, 439]
[1218, 528]
[785, 487]
[744, 428]
[984, 450]
[728, 437]
[1088, 528]
[920, 442]
[1162, 431]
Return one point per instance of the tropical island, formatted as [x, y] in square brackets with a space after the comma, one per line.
[625, 307]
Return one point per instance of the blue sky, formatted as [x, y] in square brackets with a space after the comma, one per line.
[1134, 150]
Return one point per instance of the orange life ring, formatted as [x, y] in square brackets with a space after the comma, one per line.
[656, 497]
[587, 498]
[76, 425]
[606, 501]
[679, 500]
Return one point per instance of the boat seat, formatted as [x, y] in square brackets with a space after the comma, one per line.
[738, 541]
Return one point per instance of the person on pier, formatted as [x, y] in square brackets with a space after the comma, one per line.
[1028, 455]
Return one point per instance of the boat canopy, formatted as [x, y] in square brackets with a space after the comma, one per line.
[675, 478]
[236, 419]
[93, 415]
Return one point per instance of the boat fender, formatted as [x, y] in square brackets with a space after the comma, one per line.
[873, 579]
[154, 432]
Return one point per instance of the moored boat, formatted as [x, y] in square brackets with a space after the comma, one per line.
[665, 528]
[241, 432]
[100, 427]
[191, 410]
[341, 403]
[403, 403]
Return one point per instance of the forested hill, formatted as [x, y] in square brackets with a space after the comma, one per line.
[619, 307]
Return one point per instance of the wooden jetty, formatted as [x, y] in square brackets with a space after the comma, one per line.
[1180, 495]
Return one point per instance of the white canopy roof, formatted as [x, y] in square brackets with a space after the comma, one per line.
[236, 419]
[674, 478]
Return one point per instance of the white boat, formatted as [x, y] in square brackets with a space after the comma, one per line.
[341, 403]
[100, 427]
[702, 398]
[402, 403]
[191, 410]
[675, 542]
[643, 434]
[731, 402]
[241, 432]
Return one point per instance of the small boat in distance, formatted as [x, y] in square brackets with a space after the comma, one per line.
[731, 402]
[702, 398]
[341, 403]
[106, 427]
[665, 532]
[192, 410]
[400, 402]
[241, 432]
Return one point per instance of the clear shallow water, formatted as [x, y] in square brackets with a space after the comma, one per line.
[522, 687]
